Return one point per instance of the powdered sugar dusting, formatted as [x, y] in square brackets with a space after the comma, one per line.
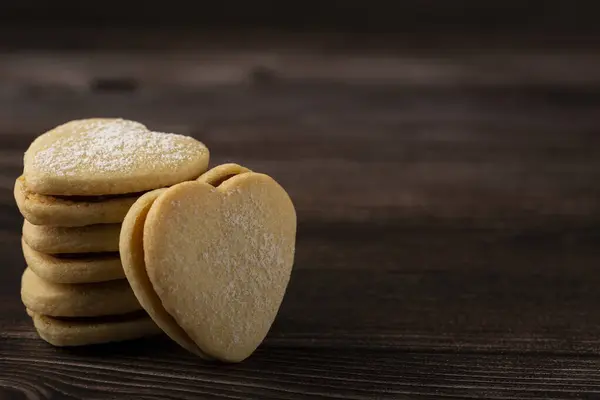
[250, 259]
[111, 146]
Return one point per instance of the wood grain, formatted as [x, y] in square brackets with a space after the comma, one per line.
[502, 148]
[448, 218]
[149, 71]
[130, 371]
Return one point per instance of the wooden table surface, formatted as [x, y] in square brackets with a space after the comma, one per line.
[448, 205]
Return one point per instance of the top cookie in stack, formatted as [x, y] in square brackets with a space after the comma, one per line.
[79, 181]
[91, 171]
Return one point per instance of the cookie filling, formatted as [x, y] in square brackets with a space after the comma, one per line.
[220, 180]
[105, 319]
[84, 256]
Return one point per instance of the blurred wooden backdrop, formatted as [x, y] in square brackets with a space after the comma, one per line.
[444, 158]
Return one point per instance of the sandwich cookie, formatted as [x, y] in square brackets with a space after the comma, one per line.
[84, 239]
[70, 211]
[74, 268]
[87, 331]
[82, 300]
[210, 263]
[107, 156]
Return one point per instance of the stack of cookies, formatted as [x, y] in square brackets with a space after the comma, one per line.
[79, 181]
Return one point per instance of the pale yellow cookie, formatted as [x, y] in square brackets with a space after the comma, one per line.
[219, 174]
[70, 210]
[84, 239]
[82, 300]
[85, 268]
[104, 156]
[219, 259]
[87, 331]
[132, 254]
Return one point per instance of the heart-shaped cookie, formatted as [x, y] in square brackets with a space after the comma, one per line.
[104, 156]
[218, 259]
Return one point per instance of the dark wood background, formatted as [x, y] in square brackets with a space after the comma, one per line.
[445, 165]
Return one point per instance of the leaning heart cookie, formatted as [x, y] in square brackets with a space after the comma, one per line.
[216, 260]
[105, 156]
